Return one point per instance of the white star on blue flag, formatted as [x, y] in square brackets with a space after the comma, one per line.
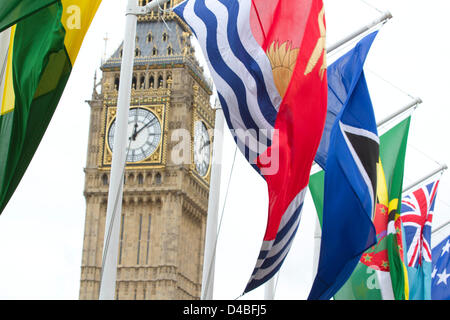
[440, 289]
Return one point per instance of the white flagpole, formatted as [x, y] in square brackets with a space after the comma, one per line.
[382, 19]
[317, 241]
[115, 193]
[270, 287]
[429, 176]
[209, 257]
[409, 108]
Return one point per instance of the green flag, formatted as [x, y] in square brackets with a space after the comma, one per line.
[393, 163]
[12, 11]
[36, 58]
[380, 273]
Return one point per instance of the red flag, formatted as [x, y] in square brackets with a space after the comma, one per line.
[293, 35]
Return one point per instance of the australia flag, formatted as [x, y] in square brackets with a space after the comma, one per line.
[440, 282]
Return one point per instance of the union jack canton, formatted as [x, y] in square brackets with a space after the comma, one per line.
[416, 216]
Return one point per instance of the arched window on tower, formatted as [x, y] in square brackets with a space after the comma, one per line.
[169, 50]
[142, 82]
[169, 78]
[140, 178]
[151, 82]
[158, 178]
[105, 179]
[137, 52]
[154, 51]
[160, 81]
[134, 82]
[165, 37]
[116, 83]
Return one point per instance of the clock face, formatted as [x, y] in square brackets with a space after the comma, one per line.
[144, 134]
[202, 144]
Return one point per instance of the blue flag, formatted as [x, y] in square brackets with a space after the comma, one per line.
[350, 150]
[416, 214]
[440, 282]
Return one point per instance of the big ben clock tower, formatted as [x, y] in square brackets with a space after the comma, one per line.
[165, 200]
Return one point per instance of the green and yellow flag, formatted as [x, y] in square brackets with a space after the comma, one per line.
[39, 42]
[12, 11]
[380, 274]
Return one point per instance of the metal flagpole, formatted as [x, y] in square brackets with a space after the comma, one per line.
[413, 104]
[442, 226]
[270, 287]
[431, 175]
[115, 193]
[317, 241]
[209, 257]
[384, 18]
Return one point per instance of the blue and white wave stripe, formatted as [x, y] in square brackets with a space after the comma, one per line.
[273, 253]
[240, 69]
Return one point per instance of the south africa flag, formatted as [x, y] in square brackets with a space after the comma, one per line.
[39, 42]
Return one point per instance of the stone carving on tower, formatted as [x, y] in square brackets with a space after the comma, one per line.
[167, 172]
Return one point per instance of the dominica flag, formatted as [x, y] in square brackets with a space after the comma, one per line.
[39, 42]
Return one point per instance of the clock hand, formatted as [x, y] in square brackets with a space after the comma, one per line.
[137, 132]
[133, 135]
[207, 143]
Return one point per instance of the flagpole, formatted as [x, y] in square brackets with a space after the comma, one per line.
[269, 288]
[209, 257]
[317, 240]
[442, 226]
[431, 175]
[413, 104]
[115, 193]
[382, 19]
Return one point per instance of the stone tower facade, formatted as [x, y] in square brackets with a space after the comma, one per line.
[167, 173]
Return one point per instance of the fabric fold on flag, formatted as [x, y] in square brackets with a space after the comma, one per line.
[268, 62]
[12, 11]
[440, 282]
[416, 216]
[350, 173]
[36, 55]
[371, 279]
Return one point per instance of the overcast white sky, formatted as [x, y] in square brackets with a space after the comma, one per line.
[41, 229]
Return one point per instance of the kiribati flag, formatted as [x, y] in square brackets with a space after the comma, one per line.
[268, 62]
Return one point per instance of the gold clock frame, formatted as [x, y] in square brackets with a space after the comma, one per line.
[206, 178]
[157, 158]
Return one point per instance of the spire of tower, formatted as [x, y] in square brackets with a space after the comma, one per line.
[106, 45]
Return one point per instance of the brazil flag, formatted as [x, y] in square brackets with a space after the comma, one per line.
[39, 42]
